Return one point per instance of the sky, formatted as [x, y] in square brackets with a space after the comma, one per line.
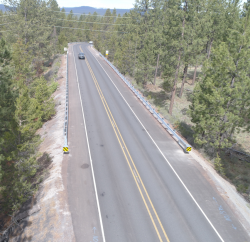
[97, 3]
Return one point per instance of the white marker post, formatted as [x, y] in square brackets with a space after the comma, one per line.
[107, 53]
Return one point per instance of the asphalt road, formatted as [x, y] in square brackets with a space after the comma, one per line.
[127, 178]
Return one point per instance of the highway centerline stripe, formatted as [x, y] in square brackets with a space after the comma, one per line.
[123, 145]
[113, 125]
[167, 161]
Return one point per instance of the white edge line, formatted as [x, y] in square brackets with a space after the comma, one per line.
[164, 156]
[90, 158]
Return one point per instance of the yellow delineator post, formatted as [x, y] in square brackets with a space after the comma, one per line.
[186, 147]
[65, 147]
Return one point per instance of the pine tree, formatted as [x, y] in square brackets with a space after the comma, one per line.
[17, 149]
[174, 42]
[193, 38]
[216, 23]
[157, 22]
[33, 21]
[8, 124]
[146, 45]
[220, 101]
[55, 20]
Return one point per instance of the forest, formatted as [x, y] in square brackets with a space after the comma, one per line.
[194, 52]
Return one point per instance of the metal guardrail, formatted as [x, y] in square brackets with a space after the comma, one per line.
[66, 120]
[181, 142]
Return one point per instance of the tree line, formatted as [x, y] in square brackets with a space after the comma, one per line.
[26, 45]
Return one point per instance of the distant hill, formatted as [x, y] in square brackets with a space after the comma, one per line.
[2, 7]
[85, 9]
[100, 11]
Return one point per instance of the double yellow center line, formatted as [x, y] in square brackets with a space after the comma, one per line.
[144, 194]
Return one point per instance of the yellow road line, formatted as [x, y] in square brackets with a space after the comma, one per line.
[115, 128]
[113, 125]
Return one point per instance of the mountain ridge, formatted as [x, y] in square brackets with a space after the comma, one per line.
[85, 10]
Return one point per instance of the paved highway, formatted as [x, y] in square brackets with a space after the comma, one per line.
[127, 179]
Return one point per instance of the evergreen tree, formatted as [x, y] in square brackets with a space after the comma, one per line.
[221, 101]
[8, 124]
[193, 41]
[33, 21]
[174, 42]
[146, 45]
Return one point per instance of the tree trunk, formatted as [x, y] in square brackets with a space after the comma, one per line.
[55, 40]
[174, 87]
[210, 47]
[183, 80]
[178, 67]
[194, 77]
[25, 25]
[156, 68]
[135, 56]
[145, 80]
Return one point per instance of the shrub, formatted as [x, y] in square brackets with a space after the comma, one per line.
[218, 165]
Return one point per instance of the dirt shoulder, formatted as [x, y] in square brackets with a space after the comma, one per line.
[52, 221]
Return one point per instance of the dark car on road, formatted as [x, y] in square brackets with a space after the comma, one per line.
[81, 56]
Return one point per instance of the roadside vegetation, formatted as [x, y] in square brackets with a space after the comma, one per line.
[189, 58]
[28, 66]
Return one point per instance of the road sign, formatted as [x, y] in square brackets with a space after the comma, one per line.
[107, 52]
[65, 149]
[188, 149]
[65, 49]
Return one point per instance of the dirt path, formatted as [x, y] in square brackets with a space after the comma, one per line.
[53, 222]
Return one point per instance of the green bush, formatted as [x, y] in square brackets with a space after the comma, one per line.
[242, 188]
[218, 165]
[53, 86]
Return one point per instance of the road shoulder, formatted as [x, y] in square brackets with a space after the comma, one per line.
[80, 186]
